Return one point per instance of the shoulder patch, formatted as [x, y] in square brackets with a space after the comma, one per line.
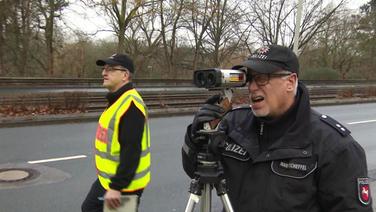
[364, 194]
[335, 124]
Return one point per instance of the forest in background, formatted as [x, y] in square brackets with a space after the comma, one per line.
[170, 38]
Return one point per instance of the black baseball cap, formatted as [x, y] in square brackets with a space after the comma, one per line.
[272, 58]
[117, 59]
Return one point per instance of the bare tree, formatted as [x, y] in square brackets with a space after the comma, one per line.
[5, 20]
[314, 20]
[225, 31]
[367, 35]
[339, 43]
[49, 11]
[144, 41]
[147, 31]
[170, 12]
[275, 20]
[2, 37]
[121, 13]
[197, 19]
[271, 18]
[26, 30]
[16, 32]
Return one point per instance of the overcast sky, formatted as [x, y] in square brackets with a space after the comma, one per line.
[85, 19]
[354, 4]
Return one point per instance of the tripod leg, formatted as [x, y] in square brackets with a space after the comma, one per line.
[193, 200]
[222, 193]
[206, 198]
[226, 203]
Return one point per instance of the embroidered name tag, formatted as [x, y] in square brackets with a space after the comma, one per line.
[235, 151]
[294, 168]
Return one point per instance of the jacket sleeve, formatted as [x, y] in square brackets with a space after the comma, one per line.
[189, 153]
[341, 170]
[131, 128]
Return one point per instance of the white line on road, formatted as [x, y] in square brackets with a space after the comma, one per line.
[362, 122]
[57, 159]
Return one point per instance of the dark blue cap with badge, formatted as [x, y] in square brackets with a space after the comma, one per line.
[118, 59]
[271, 58]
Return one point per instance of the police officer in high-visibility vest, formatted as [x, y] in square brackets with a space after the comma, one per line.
[122, 141]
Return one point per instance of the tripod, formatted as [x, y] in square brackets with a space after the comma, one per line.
[209, 173]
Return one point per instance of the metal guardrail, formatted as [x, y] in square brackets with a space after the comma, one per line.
[14, 82]
[161, 99]
[169, 94]
[92, 102]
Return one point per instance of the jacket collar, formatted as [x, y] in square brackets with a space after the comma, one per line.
[113, 96]
[291, 129]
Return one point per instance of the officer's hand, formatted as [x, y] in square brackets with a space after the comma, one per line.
[208, 112]
[218, 142]
[112, 198]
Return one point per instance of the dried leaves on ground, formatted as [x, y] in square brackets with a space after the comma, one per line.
[16, 111]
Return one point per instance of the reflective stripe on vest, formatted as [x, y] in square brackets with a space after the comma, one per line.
[108, 148]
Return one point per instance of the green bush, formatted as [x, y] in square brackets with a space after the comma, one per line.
[354, 75]
[319, 73]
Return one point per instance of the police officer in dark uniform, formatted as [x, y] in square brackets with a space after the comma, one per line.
[279, 154]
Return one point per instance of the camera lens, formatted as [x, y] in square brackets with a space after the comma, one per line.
[201, 80]
[210, 79]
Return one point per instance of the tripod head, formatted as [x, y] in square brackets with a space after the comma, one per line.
[209, 168]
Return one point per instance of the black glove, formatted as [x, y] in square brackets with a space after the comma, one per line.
[208, 112]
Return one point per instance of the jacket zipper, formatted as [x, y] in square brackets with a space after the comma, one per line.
[261, 133]
[261, 128]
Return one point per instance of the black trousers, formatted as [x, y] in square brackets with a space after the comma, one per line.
[94, 199]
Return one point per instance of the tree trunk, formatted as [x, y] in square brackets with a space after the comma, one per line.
[49, 43]
[25, 36]
[2, 43]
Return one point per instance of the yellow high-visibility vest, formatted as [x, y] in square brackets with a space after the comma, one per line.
[107, 146]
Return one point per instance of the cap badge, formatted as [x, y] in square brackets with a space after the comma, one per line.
[363, 191]
[113, 56]
[263, 50]
[261, 53]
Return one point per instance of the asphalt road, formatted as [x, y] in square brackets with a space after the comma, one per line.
[64, 183]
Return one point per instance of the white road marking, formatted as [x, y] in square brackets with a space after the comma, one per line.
[57, 159]
[362, 122]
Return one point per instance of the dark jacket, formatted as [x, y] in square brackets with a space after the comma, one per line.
[131, 127]
[303, 161]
